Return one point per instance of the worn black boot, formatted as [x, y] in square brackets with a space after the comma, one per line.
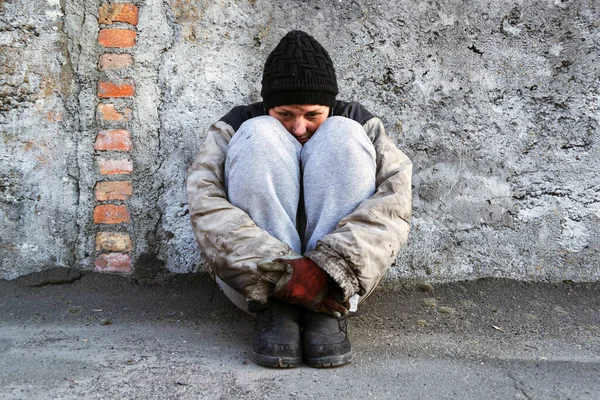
[277, 335]
[326, 342]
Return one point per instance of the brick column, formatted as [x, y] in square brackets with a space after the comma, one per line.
[113, 145]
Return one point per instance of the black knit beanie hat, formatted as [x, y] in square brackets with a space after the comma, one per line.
[298, 71]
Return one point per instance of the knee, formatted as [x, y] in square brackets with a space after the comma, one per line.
[261, 131]
[341, 133]
[263, 125]
[341, 123]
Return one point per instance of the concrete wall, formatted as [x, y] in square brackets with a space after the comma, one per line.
[39, 172]
[497, 104]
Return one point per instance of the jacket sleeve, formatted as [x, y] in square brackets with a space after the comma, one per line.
[230, 241]
[366, 242]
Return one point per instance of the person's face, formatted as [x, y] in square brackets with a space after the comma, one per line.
[301, 120]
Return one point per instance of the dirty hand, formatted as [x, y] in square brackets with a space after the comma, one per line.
[304, 283]
[331, 305]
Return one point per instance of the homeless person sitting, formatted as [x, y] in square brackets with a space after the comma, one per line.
[299, 204]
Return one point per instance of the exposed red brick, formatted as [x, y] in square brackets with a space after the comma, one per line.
[120, 38]
[111, 214]
[109, 13]
[113, 241]
[115, 167]
[108, 112]
[115, 61]
[113, 190]
[113, 262]
[111, 89]
[113, 140]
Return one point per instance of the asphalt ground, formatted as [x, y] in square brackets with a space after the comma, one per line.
[65, 334]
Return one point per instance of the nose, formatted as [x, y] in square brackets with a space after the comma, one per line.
[299, 127]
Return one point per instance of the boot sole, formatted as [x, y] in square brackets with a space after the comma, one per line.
[330, 361]
[276, 362]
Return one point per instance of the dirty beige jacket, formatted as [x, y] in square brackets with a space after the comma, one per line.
[356, 254]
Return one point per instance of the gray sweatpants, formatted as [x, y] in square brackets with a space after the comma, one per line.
[270, 175]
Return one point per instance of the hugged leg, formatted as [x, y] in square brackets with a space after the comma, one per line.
[262, 175]
[339, 171]
[338, 174]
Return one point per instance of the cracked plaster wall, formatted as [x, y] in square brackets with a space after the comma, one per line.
[496, 103]
[39, 186]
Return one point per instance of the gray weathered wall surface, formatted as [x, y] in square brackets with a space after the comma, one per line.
[39, 184]
[496, 103]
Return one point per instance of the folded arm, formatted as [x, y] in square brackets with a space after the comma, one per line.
[230, 241]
